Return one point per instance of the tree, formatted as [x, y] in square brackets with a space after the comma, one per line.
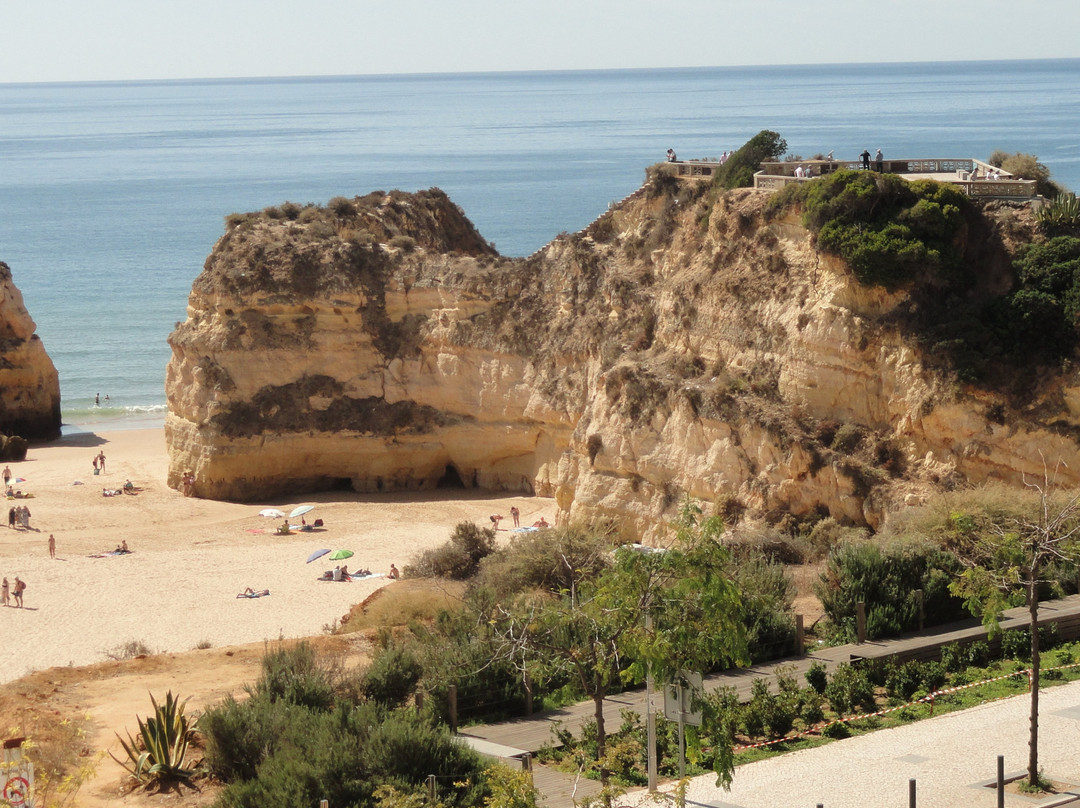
[1013, 556]
[1027, 167]
[597, 629]
[738, 171]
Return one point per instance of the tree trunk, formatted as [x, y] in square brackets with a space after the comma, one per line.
[601, 732]
[1033, 742]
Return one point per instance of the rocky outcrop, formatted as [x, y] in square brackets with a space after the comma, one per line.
[683, 345]
[29, 384]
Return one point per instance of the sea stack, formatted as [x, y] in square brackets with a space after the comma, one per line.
[29, 383]
[688, 345]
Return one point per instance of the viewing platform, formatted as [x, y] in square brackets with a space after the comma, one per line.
[968, 174]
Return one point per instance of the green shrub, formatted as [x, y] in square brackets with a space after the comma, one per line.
[817, 677]
[903, 680]
[887, 229]
[459, 558]
[976, 654]
[766, 591]
[744, 162]
[295, 675]
[849, 688]
[811, 712]
[240, 736]
[837, 730]
[392, 677]
[403, 243]
[551, 560]
[1016, 644]
[886, 580]
[342, 207]
[847, 438]
[952, 657]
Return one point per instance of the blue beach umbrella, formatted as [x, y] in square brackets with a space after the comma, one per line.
[317, 554]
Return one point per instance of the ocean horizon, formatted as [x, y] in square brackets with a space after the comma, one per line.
[112, 194]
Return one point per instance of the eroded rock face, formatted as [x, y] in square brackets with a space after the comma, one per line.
[684, 345]
[29, 383]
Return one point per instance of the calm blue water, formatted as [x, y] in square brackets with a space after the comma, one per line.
[113, 194]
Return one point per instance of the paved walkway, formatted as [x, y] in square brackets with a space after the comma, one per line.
[952, 758]
[510, 740]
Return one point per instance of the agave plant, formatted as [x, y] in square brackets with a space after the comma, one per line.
[164, 741]
[1063, 211]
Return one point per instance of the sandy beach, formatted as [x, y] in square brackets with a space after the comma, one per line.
[190, 557]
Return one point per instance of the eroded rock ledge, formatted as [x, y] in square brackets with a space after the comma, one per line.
[29, 383]
[682, 345]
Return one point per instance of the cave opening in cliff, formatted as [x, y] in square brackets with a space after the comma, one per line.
[450, 479]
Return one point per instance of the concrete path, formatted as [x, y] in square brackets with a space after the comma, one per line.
[950, 757]
[510, 740]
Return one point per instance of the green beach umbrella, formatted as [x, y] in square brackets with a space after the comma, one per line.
[340, 555]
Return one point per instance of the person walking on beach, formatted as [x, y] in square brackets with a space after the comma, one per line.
[101, 460]
[7, 475]
[5, 594]
[95, 464]
[19, 588]
[11, 514]
[26, 517]
[52, 546]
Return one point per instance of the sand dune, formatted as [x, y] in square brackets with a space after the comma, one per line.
[191, 557]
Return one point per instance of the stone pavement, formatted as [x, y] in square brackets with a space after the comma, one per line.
[951, 758]
[510, 740]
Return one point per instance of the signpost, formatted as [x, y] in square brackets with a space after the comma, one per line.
[17, 776]
[680, 698]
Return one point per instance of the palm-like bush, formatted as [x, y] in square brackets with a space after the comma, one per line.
[164, 741]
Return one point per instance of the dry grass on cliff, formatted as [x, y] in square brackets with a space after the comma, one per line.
[408, 601]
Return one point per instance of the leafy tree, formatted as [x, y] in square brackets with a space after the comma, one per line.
[598, 632]
[1027, 167]
[738, 171]
[1012, 557]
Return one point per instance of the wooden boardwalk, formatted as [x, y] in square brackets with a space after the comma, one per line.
[510, 740]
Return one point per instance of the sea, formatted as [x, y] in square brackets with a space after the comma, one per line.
[113, 194]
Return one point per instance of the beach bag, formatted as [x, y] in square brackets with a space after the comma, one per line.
[97, 471]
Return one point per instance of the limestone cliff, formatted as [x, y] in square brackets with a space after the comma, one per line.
[29, 384]
[682, 344]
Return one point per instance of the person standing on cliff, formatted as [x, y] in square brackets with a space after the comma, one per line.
[865, 159]
[880, 161]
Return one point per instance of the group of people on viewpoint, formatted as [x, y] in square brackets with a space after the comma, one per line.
[671, 158]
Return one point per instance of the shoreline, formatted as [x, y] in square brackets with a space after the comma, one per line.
[191, 557]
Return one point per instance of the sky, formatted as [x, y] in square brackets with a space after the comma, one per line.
[107, 40]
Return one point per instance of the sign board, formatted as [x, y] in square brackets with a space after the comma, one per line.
[16, 777]
[680, 697]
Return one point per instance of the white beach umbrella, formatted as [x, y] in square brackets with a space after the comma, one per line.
[300, 510]
[273, 513]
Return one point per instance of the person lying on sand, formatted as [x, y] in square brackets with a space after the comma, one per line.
[251, 593]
